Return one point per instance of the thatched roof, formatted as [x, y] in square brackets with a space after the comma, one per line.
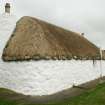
[36, 39]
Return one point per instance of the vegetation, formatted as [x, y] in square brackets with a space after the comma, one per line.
[95, 96]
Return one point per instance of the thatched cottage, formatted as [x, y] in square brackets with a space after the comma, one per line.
[38, 58]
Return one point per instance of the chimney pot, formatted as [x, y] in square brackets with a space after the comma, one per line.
[7, 8]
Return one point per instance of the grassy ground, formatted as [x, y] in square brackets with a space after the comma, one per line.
[95, 96]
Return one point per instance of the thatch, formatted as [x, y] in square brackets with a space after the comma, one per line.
[35, 39]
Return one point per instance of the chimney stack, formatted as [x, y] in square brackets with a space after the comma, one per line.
[7, 8]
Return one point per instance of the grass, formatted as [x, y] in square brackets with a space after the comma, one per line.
[94, 96]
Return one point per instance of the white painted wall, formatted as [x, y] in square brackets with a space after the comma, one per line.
[42, 77]
[47, 77]
[7, 25]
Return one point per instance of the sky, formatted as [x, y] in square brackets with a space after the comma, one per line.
[82, 16]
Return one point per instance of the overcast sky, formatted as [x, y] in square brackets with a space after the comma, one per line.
[83, 16]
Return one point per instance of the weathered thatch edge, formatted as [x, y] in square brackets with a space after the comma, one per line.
[38, 58]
